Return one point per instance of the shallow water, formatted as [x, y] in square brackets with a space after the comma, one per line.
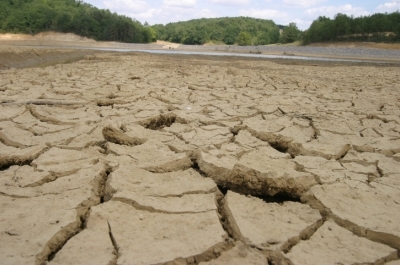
[248, 55]
[216, 53]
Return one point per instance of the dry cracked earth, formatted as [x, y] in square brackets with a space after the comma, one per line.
[144, 159]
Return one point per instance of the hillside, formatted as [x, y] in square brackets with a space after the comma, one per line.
[229, 30]
[376, 28]
[70, 16]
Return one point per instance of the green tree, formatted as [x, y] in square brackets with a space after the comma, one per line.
[263, 38]
[345, 28]
[290, 34]
[342, 24]
[230, 35]
[244, 39]
[225, 29]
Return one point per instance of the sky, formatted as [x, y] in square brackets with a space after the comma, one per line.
[283, 12]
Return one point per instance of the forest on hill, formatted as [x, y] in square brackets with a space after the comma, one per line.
[228, 30]
[376, 28]
[76, 16]
[71, 16]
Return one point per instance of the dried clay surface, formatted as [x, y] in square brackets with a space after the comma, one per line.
[129, 158]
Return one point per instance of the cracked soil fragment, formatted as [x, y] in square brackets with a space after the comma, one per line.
[271, 226]
[322, 248]
[145, 237]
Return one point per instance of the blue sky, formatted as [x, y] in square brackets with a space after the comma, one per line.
[302, 12]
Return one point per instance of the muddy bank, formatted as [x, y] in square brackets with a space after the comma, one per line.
[40, 56]
[25, 57]
[371, 52]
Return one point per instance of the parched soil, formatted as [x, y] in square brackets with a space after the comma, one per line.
[16, 57]
[130, 158]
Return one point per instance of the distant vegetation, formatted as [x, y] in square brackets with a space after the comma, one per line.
[72, 16]
[76, 16]
[377, 28]
[228, 30]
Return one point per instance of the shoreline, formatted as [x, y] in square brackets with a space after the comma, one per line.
[23, 56]
[77, 47]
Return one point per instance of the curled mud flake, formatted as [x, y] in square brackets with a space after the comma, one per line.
[109, 102]
[4, 139]
[114, 135]
[43, 118]
[161, 121]
[24, 157]
[177, 165]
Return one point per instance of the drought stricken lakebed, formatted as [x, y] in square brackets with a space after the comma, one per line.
[159, 159]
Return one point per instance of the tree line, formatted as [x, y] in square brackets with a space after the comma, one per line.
[72, 16]
[377, 28]
[228, 30]
[76, 16]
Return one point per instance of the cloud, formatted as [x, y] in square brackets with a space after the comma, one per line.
[207, 13]
[388, 7]
[263, 13]
[331, 11]
[180, 3]
[126, 5]
[302, 3]
[166, 14]
[148, 14]
[230, 2]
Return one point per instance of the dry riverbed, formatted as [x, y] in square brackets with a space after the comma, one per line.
[129, 158]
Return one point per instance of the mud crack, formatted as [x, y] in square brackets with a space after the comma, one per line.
[114, 243]
[306, 234]
[376, 236]
[99, 195]
[151, 209]
[210, 254]
[56, 243]
[226, 217]
[53, 176]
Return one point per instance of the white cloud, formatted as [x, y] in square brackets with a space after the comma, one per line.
[303, 3]
[331, 11]
[148, 14]
[126, 5]
[207, 13]
[388, 7]
[180, 3]
[230, 2]
[263, 13]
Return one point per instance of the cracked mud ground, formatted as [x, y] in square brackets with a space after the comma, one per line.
[144, 159]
